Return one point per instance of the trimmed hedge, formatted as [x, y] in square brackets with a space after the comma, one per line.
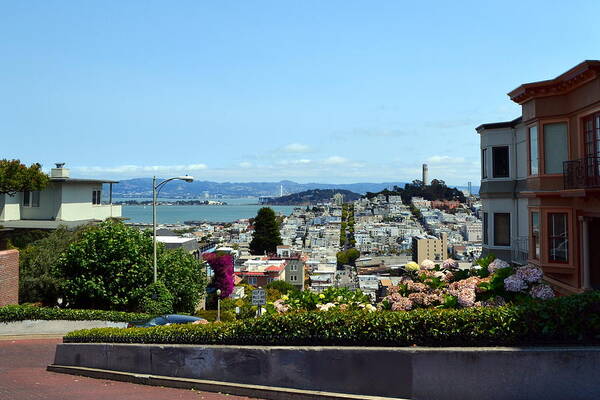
[566, 320]
[20, 313]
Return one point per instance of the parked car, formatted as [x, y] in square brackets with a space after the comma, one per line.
[167, 319]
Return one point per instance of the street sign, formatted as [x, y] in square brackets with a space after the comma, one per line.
[259, 297]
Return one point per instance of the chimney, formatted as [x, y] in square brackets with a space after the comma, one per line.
[425, 175]
[60, 171]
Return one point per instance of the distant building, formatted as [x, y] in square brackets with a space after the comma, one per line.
[427, 247]
[65, 201]
[425, 174]
[294, 268]
[338, 199]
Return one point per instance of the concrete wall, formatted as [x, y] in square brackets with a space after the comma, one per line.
[9, 277]
[417, 373]
[10, 207]
[58, 327]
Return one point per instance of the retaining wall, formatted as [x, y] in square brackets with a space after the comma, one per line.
[416, 373]
[9, 277]
[58, 327]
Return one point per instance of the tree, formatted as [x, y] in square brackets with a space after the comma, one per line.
[16, 177]
[37, 281]
[222, 266]
[348, 257]
[110, 267]
[282, 286]
[265, 238]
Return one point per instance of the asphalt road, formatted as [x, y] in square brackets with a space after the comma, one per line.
[23, 376]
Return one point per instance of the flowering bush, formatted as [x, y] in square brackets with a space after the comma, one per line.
[412, 266]
[492, 283]
[331, 298]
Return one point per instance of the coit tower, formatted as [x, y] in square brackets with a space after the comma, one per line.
[425, 175]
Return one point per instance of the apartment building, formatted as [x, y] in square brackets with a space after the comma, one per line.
[540, 183]
[427, 247]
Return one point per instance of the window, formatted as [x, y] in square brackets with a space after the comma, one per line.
[252, 280]
[483, 164]
[555, 147]
[500, 162]
[535, 235]
[533, 151]
[591, 128]
[294, 267]
[485, 228]
[31, 199]
[96, 196]
[293, 278]
[558, 237]
[501, 229]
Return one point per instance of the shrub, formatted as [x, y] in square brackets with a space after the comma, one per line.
[211, 315]
[282, 287]
[156, 299]
[566, 320]
[109, 264]
[222, 266]
[23, 312]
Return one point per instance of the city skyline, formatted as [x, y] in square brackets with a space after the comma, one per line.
[341, 92]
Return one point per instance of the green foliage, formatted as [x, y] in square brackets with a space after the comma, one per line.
[108, 267]
[211, 315]
[20, 239]
[156, 299]
[553, 322]
[282, 287]
[16, 177]
[265, 238]
[307, 301]
[25, 312]
[347, 257]
[37, 282]
[437, 190]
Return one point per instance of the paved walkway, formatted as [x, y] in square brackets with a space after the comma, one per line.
[23, 376]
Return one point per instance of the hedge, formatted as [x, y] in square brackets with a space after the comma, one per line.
[23, 312]
[567, 320]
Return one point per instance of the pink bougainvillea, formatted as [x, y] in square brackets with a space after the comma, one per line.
[222, 266]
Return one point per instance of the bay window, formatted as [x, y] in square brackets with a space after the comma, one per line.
[535, 235]
[555, 147]
[533, 151]
[501, 229]
[500, 164]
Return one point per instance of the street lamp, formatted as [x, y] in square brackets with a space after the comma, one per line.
[155, 190]
[218, 305]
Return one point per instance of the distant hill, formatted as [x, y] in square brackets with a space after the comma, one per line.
[142, 188]
[311, 197]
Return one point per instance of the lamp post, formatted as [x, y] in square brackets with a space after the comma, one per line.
[218, 305]
[155, 190]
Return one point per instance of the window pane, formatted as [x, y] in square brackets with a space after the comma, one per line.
[26, 196]
[500, 162]
[483, 164]
[559, 237]
[502, 229]
[533, 150]
[555, 147]
[485, 228]
[535, 233]
[35, 199]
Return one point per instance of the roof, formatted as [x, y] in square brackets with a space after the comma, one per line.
[500, 125]
[77, 180]
[274, 268]
[564, 83]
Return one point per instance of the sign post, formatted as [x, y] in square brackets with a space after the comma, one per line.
[259, 298]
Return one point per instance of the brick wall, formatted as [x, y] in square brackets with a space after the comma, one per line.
[9, 277]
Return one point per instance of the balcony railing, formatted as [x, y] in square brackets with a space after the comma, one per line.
[583, 173]
[520, 250]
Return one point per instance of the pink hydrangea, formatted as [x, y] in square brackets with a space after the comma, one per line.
[394, 297]
[541, 291]
[416, 287]
[530, 274]
[470, 283]
[450, 264]
[280, 306]
[404, 304]
[427, 264]
[496, 265]
[514, 284]
[448, 276]
[466, 297]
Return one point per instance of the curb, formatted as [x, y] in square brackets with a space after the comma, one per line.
[238, 389]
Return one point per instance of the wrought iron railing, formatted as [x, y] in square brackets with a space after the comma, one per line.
[583, 173]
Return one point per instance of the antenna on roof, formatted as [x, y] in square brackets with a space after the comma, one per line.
[60, 165]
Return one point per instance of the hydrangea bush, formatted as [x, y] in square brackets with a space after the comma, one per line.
[492, 283]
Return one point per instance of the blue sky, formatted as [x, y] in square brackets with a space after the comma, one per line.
[312, 91]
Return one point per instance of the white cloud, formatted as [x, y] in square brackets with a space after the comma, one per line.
[445, 160]
[296, 148]
[335, 160]
[132, 169]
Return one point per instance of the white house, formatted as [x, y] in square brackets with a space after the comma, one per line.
[65, 201]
